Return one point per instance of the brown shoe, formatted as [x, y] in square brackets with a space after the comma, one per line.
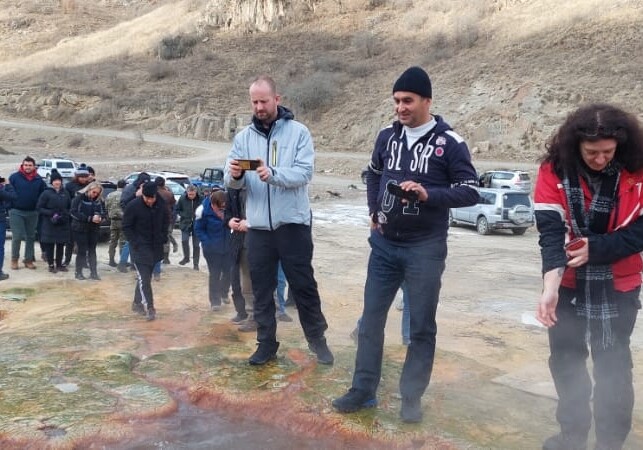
[14, 264]
[30, 265]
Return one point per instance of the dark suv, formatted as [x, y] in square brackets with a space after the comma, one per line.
[497, 209]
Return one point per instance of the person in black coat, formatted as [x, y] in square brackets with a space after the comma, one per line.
[87, 212]
[55, 229]
[145, 224]
[7, 195]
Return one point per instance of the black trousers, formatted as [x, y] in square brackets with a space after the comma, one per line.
[49, 248]
[143, 294]
[293, 245]
[613, 390]
[86, 242]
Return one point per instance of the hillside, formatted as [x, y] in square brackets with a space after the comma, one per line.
[505, 72]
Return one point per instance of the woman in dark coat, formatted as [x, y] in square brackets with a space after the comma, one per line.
[53, 206]
[87, 212]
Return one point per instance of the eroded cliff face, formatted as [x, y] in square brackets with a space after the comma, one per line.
[245, 15]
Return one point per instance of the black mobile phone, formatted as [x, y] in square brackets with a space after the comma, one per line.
[248, 164]
[397, 191]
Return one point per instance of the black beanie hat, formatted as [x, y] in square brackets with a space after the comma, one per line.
[149, 189]
[416, 80]
[55, 175]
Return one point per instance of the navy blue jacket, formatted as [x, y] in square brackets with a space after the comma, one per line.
[440, 161]
[28, 192]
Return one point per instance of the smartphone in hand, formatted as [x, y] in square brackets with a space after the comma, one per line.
[248, 164]
[397, 191]
[575, 244]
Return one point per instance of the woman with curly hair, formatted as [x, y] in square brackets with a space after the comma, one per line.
[589, 204]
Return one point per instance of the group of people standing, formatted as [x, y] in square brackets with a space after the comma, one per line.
[63, 216]
[589, 191]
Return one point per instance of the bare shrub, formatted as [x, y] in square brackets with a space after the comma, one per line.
[159, 70]
[372, 4]
[328, 64]
[466, 34]
[75, 141]
[314, 92]
[359, 69]
[176, 47]
[367, 43]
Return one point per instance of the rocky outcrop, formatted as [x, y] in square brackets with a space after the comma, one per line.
[244, 15]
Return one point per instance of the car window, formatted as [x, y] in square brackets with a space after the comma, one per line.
[65, 165]
[176, 188]
[503, 175]
[487, 198]
[511, 200]
[180, 180]
[524, 176]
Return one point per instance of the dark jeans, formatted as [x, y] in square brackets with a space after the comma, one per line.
[420, 266]
[185, 242]
[218, 275]
[238, 299]
[613, 390]
[52, 258]
[293, 245]
[3, 235]
[143, 294]
[86, 243]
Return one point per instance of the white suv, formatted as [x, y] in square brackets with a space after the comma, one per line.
[65, 167]
[506, 179]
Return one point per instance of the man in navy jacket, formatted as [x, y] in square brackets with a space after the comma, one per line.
[23, 214]
[419, 169]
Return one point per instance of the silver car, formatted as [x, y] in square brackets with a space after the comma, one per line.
[497, 209]
[506, 179]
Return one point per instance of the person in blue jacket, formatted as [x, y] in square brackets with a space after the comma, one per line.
[23, 214]
[213, 234]
[419, 169]
[278, 217]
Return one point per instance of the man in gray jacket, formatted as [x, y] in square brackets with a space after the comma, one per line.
[278, 216]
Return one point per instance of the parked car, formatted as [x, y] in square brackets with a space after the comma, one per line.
[176, 188]
[65, 167]
[497, 209]
[506, 179]
[210, 178]
[179, 178]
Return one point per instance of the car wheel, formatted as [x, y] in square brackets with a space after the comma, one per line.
[518, 231]
[482, 226]
[451, 221]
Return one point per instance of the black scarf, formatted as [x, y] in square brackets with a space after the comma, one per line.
[594, 282]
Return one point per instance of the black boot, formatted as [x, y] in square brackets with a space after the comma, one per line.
[186, 253]
[80, 276]
[94, 276]
[263, 354]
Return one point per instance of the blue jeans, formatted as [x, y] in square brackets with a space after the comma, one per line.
[124, 254]
[420, 266]
[281, 289]
[406, 317]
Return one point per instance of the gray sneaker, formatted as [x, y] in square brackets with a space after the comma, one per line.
[283, 317]
[248, 326]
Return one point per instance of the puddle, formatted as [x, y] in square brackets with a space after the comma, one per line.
[193, 428]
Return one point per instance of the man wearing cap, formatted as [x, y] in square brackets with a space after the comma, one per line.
[130, 192]
[429, 168]
[23, 215]
[145, 223]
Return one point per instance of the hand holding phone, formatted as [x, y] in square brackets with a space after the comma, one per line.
[575, 244]
[248, 164]
[397, 191]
